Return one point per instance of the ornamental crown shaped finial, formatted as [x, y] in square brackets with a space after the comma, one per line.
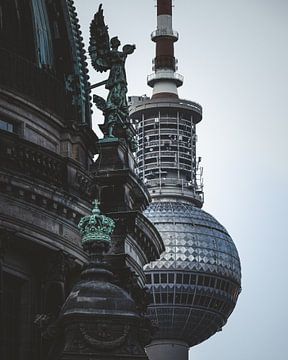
[96, 228]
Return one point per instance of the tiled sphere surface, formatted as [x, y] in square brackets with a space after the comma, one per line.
[196, 282]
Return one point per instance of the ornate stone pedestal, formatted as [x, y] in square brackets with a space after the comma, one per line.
[104, 315]
[100, 319]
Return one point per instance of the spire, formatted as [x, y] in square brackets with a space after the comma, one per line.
[164, 80]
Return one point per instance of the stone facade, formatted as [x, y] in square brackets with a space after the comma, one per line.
[48, 178]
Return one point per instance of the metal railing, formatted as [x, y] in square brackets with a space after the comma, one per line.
[162, 74]
[195, 189]
[165, 32]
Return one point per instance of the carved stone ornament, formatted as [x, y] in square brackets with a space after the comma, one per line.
[104, 337]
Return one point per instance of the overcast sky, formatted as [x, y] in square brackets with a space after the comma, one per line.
[234, 58]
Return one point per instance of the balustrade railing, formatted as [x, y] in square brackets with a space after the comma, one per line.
[28, 159]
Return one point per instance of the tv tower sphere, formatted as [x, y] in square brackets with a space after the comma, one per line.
[196, 282]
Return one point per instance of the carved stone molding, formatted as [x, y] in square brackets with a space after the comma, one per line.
[104, 337]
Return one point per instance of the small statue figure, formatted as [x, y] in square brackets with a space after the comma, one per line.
[106, 56]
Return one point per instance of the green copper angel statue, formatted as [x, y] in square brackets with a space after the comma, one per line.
[106, 56]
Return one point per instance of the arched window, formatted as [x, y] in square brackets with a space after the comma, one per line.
[44, 47]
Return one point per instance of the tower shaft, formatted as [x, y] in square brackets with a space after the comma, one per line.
[168, 350]
[164, 37]
[164, 80]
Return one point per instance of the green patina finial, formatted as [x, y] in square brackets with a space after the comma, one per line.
[96, 228]
[96, 209]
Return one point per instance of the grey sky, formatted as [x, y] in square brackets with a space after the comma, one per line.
[234, 58]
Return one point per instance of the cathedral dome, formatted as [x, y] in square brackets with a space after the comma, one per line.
[98, 297]
[196, 282]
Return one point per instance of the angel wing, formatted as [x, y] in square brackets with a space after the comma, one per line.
[99, 47]
[100, 103]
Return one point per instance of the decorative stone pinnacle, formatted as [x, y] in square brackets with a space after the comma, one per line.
[96, 229]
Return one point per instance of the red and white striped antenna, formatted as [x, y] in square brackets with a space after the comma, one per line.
[164, 80]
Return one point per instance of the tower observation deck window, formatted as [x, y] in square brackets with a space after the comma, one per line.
[193, 280]
[171, 278]
[190, 279]
[164, 298]
[156, 278]
[179, 278]
[148, 278]
[157, 298]
[186, 279]
[170, 298]
[184, 298]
